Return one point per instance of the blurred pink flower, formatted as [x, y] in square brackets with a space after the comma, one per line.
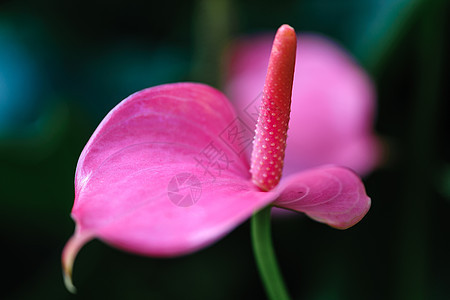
[333, 102]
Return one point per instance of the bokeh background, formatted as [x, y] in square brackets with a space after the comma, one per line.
[65, 64]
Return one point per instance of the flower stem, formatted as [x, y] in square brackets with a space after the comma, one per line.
[265, 256]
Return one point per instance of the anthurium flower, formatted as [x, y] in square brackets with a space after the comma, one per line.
[165, 173]
[333, 102]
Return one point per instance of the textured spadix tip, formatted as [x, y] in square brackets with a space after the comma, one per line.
[286, 31]
[269, 143]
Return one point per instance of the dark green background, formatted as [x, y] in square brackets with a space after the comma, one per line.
[66, 64]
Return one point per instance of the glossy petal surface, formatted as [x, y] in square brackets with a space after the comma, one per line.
[333, 103]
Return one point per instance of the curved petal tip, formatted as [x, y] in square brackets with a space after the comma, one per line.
[332, 195]
[71, 249]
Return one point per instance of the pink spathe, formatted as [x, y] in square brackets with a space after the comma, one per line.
[123, 174]
[159, 177]
[333, 102]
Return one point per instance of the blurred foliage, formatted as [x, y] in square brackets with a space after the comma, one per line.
[64, 65]
[24, 76]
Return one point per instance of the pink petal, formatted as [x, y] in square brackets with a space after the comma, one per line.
[332, 195]
[333, 103]
[151, 144]
[141, 182]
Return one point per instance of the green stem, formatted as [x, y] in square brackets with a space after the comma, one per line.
[265, 256]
